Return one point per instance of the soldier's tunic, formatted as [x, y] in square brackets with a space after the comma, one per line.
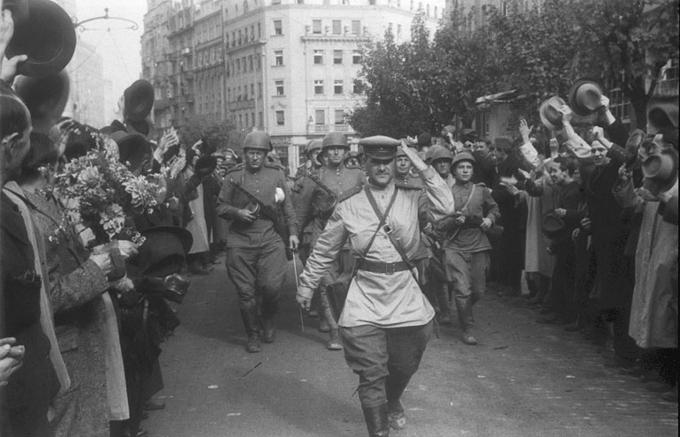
[256, 255]
[342, 182]
[385, 323]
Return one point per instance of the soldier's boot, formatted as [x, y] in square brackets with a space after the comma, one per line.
[334, 343]
[251, 323]
[376, 421]
[444, 307]
[464, 308]
[394, 388]
[269, 310]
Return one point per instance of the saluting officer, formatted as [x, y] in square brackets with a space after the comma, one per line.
[332, 183]
[256, 256]
[386, 321]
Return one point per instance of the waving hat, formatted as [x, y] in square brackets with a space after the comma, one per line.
[46, 35]
[551, 117]
[585, 97]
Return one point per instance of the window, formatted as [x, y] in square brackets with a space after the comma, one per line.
[337, 57]
[337, 27]
[337, 86]
[318, 87]
[356, 27]
[278, 84]
[276, 2]
[356, 88]
[259, 119]
[250, 62]
[259, 94]
[356, 57]
[252, 94]
[245, 92]
[320, 117]
[318, 57]
[339, 116]
[278, 27]
[398, 30]
[238, 65]
[316, 27]
[278, 58]
[280, 118]
[259, 31]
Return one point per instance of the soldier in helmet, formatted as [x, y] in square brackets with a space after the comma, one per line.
[332, 183]
[256, 257]
[386, 321]
[466, 246]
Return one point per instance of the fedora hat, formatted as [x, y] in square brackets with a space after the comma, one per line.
[163, 251]
[552, 224]
[661, 167]
[549, 112]
[585, 97]
[138, 100]
[662, 112]
[133, 148]
[47, 36]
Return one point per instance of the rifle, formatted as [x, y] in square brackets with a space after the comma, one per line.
[264, 211]
[327, 209]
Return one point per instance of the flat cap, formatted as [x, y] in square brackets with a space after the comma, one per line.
[379, 147]
[334, 139]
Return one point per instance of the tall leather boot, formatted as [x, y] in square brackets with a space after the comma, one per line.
[442, 291]
[252, 325]
[327, 315]
[464, 308]
[394, 387]
[269, 310]
[376, 421]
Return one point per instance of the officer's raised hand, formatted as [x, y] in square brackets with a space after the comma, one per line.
[304, 297]
[412, 155]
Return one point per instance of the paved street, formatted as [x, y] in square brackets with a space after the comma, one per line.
[524, 379]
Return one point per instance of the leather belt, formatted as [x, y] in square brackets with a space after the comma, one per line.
[381, 267]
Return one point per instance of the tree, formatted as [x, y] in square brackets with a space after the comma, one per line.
[628, 42]
[221, 135]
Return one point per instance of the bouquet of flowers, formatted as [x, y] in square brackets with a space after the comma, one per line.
[101, 193]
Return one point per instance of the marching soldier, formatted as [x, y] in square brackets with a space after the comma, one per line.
[256, 256]
[386, 321]
[332, 183]
[466, 247]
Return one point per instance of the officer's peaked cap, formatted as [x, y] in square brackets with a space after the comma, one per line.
[334, 139]
[258, 140]
[379, 147]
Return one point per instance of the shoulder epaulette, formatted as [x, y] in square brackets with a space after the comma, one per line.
[274, 166]
[352, 192]
[237, 167]
[481, 185]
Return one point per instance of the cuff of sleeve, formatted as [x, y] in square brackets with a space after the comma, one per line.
[428, 173]
[305, 292]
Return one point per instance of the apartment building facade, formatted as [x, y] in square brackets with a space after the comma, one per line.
[286, 66]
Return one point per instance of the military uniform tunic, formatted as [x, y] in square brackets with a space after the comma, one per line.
[256, 256]
[379, 299]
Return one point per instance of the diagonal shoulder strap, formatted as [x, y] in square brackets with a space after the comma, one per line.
[382, 217]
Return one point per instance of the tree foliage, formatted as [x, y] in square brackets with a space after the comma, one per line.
[221, 135]
[540, 51]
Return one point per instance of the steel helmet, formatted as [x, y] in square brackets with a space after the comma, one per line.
[257, 140]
